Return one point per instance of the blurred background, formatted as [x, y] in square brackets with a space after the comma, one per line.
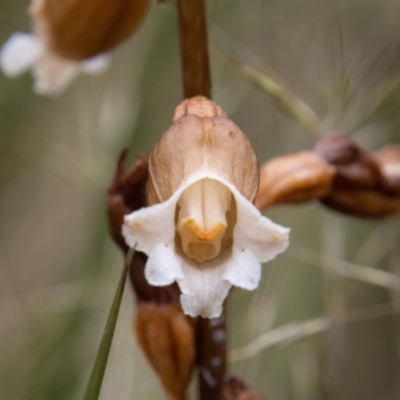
[316, 333]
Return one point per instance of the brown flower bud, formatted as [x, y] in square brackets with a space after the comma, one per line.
[167, 337]
[293, 179]
[81, 29]
[364, 185]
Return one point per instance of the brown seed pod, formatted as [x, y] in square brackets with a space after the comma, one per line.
[81, 29]
[167, 337]
[363, 203]
[365, 185]
[293, 179]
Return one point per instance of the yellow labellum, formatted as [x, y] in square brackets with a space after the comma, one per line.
[200, 233]
[202, 219]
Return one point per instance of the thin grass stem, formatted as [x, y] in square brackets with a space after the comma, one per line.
[96, 377]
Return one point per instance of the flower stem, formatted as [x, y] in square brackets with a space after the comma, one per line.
[211, 343]
[210, 334]
[194, 48]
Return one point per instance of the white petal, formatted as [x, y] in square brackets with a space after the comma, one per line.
[256, 232]
[205, 286]
[19, 53]
[96, 65]
[203, 289]
[53, 74]
[243, 270]
[149, 226]
[163, 266]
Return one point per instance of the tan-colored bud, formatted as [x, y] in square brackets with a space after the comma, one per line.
[81, 29]
[293, 179]
[167, 337]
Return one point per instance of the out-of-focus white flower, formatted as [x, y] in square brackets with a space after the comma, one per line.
[52, 73]
[201, 228]
[70, 37]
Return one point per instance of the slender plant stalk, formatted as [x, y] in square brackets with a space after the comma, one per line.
[211, 343]
[96, 377]
[194, 48]
[211, 334]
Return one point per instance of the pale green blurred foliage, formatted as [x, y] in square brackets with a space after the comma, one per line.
[59, 268]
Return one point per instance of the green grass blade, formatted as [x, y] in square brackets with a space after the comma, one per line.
[96, 377]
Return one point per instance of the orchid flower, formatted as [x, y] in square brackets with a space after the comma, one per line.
[202, 229]
[69, 37]
[52, 73]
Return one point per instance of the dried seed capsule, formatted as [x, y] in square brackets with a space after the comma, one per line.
[81, 29]
[167, 337]
[364, 185]
[69, 37]
[293, 179]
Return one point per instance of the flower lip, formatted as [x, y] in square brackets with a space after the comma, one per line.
[200, 233]
[202, 220]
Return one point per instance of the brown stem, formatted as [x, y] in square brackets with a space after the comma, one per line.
[211, 356]
[194, 48]
[210, 334]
